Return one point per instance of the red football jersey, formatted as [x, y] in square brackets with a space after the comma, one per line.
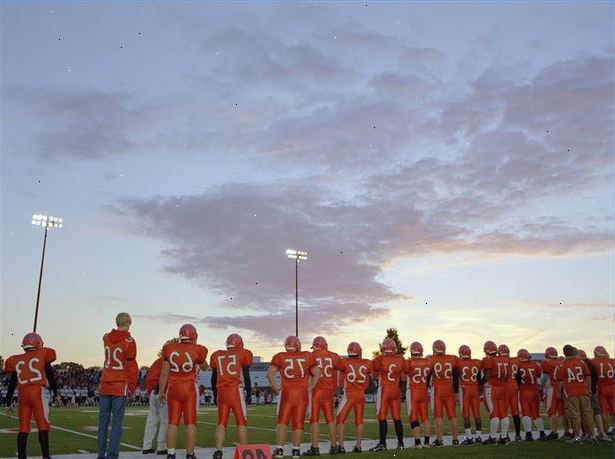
[356, 374]
[418, 370]
[548, 367]
[153, 375]
[389, 368]
[184, 360]
[442, 367]
[529, 373]
[229, 366]
[604, 367]
[30, 366]
[500, 369]
[573, 372]
[514, 367]
[469, 371]
[328, 362]
[295, 368]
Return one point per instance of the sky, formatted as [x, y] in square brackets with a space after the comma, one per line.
[448, 167]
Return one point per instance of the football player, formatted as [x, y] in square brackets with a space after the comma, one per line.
[528, 376]
[117, 382]
[573, 377]
[417, 396]
[388, 368]
[355, 371]
[469, 393]
[31, 373]
[496, 373]
[548, 389]
[605, 366]
[230, 375]
[322, 397]
[157, 414]
[491, 350]
[178, 388]
[593, 398]
[512, 396]
[444, 377]
[299, 374]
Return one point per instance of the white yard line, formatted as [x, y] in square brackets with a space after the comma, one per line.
[63, 429]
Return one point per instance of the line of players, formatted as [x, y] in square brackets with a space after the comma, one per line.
[308, 384]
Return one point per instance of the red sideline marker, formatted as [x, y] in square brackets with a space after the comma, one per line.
[252, 452]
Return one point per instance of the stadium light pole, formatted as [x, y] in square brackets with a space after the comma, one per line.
[46, 222]
[296, 255]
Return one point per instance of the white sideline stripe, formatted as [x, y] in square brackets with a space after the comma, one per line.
[75, 432]
[269, 429]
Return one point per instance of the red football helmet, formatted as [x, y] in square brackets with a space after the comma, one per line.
[550, 353]
[388, 346]
[354, 349]
[503, 350]
[438, 347]
[234, 341]
[188, 333]
[416, 348]
[32, 341]
[490, 348]
[600, 351]
[581, 354]
[465, 352]
[292, 343]
[320, 343]
[524, 355]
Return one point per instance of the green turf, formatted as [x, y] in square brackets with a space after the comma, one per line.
[262, 428]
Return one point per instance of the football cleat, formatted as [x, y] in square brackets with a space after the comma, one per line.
[32, 341]
[379, 447]
[338, 450]
[503, 350]
[217, 454]
[455, 442]
[354, 350]
[400, 446]
[416, 348]
[292, 343]
[465, 352]
[296, 453]
[478, 441]
[504, 440]
[518, 438]
[389, 346]
[357, 449]
[312, 451]
[234, 341]
[552, 436]
[190, 456]
[543, 436]
[437, 443]
[319, 343]
[490, 441]
[467, 442]
[148, 451]
[187, 332]
[278, 453]
[438, 347]
[162, 452]
[523, 354]
[528, 436]
[600, 351]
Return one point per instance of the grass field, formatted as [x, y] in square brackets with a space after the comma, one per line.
[74, 431]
